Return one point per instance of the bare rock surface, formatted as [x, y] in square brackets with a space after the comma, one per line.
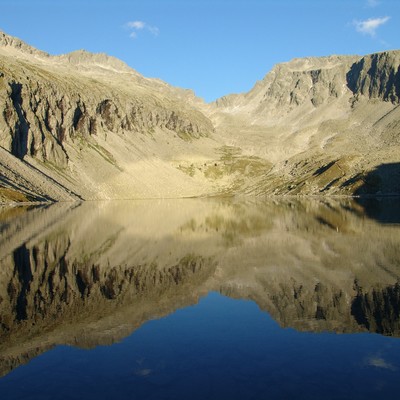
[97, 129]
[329, 125]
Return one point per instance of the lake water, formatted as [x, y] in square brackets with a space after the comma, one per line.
[201, 299]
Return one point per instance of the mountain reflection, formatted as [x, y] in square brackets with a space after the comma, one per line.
[90, 274]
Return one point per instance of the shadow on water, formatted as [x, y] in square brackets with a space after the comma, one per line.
[383, 210]
[383, 180]
[379, 193]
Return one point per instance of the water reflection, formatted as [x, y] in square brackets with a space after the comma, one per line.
[92, 273]
[384, 210]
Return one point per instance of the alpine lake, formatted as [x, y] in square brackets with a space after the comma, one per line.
[282, 298]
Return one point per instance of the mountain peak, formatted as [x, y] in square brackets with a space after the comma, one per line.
[79, 58]
[10, 42]
[87, 59]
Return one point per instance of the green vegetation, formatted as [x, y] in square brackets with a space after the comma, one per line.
[231, 162]
[7, 194]
[185, 136]
[187, 169]
[56, 168]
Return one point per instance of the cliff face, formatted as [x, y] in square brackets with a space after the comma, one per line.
[60, 111]
[317, 81]
[40, 116]
[90, 127]
[309, 81]
[325, 123]
[376, 77]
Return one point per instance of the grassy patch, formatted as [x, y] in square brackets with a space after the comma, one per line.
[56, 168]
[187, 169]
[7, 194]
[232, 166]
[185, 136]
[232, 162]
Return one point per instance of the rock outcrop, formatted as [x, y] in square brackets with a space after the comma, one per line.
[13, 43]
[318, 81]
[376, 77]
[58, 110]
[308, 81]
[325, 124]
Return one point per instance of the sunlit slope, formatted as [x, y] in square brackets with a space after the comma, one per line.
[90, 127]
[329, 125]
[98, 127]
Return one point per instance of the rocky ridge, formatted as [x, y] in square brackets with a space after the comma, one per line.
[99, 129]
[330, 125]
[60, 111]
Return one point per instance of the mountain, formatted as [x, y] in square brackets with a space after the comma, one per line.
[94, 126]
[87, 126]
[329, 125]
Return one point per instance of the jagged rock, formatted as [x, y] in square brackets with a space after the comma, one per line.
[8, 41]
[377, 77]
[340, 111]
[62, 111]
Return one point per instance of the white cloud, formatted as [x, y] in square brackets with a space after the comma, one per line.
[135, 26]
[369, 26]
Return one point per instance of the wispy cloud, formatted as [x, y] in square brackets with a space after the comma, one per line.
[369, 26]
[135, 26]
[373, 3]
[153, 30]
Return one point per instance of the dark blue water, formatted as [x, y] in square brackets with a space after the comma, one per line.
[218, 349]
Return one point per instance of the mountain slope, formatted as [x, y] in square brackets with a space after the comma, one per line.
[96, 129]
[95, 125]
[329, 125]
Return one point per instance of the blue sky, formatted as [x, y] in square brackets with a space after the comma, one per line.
[214, 47]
